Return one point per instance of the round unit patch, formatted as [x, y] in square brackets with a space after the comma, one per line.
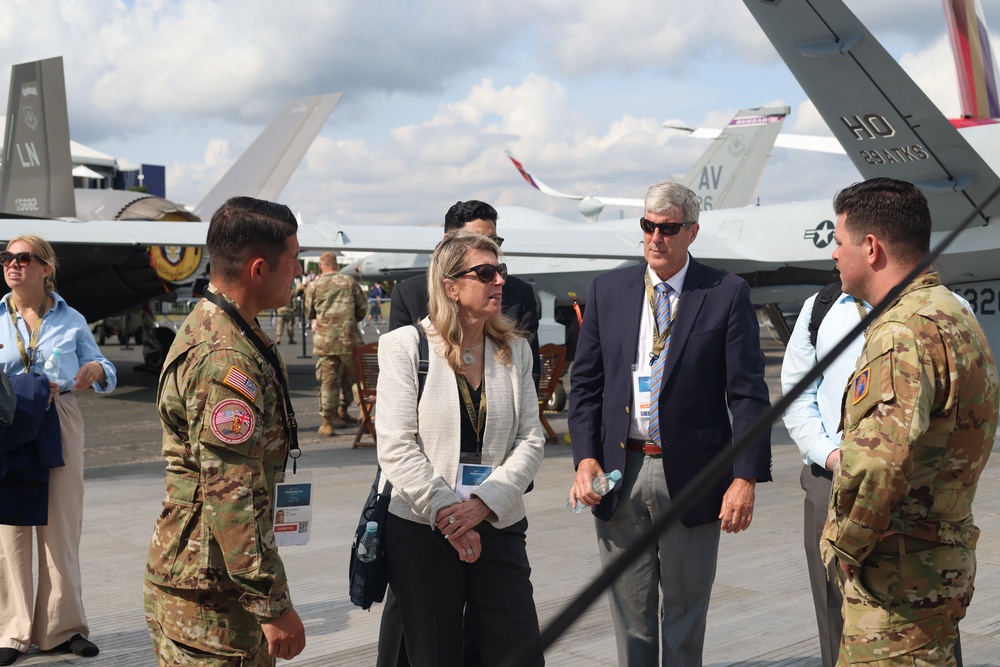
[232, 421]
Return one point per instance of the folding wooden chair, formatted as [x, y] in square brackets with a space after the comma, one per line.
[366, 374]
[553, 359]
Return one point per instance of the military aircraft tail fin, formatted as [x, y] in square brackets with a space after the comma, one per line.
[36, 175]
[728, 173]
[974, 62]
[265, 167]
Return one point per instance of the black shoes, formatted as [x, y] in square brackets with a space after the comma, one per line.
[79, 646]
[76, 645]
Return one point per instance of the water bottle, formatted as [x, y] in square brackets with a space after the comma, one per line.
[602, 485]
[52, 364]
[368, 546]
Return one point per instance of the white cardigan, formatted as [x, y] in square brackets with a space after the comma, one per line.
[419, 447]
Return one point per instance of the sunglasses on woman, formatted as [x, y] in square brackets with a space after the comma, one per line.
[22, 258]
[666, 228]
[487, 273]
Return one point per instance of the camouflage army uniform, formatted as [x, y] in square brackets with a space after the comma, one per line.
[286, 318]
[213, 572]
[337, 304]
[919, 419]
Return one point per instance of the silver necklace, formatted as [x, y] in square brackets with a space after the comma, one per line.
[467, 357]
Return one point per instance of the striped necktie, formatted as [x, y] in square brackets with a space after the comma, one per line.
[656, 372]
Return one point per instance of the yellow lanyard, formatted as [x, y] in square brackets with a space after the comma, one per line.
[659, 338]
[30, 355]
[477, 417]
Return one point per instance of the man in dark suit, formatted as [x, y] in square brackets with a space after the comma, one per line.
[409, 298]
[409, 305]
[667, 350]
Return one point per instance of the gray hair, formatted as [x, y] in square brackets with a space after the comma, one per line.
[666, 196]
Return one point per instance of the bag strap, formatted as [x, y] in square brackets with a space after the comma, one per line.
[821, 306]
[423, 359]
[423, 362]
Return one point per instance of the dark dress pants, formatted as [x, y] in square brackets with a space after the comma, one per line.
[433, 587]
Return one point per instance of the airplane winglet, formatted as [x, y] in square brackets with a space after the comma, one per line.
[537, 184]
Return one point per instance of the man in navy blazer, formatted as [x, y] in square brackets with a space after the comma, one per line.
[713, 367]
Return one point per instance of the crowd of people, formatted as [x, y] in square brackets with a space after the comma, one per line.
[668, 373]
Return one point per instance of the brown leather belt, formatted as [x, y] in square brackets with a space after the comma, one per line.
[903, 544]
[644, 447]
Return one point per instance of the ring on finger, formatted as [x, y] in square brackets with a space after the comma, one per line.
[468, 552]
[451, 519]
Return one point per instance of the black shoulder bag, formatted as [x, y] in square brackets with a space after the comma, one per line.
[368, 581]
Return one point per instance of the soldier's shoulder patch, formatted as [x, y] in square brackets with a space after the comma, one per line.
[861, 383]
[232, 421]
[241, 382]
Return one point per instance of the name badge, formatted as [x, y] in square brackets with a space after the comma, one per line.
[643, 398]
[292, 509]
[470, 476]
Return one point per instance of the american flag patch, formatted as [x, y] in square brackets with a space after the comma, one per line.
[241, 382]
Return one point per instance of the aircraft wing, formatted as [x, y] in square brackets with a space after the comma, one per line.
[887, 125]
[265, 167]
[803, 142]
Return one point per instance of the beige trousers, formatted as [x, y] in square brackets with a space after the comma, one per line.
[57, 613]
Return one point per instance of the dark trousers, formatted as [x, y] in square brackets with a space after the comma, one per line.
[433, 588]
[817, 482]
[392, 651]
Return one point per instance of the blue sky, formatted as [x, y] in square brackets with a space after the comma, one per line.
[435, 91]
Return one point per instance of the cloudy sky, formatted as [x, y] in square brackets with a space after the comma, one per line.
[435, 91]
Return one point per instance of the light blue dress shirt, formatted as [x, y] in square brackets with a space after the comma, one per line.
[814, 416]
[62, 327]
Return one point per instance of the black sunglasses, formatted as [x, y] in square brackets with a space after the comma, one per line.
[497, 239]
[487, 273]
[666, 228]
[22, 258]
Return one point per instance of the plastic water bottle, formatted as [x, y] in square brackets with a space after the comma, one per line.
[602, 485]
[52, 365]
[368, 546]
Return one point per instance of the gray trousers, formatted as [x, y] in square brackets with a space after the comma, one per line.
[681, 565]
[827, 599]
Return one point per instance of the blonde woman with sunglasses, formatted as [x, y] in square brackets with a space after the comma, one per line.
[35, 320]
[459, 460]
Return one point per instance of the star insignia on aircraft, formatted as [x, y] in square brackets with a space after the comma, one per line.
[822, 235]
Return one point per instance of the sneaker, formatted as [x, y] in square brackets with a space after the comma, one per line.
[8, 655]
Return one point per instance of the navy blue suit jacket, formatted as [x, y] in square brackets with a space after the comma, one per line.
[714, 363]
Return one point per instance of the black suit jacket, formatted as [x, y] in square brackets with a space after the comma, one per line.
[409, 305]
[714, 366]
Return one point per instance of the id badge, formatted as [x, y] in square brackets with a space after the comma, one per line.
[470, 476]
[292, 509]
[643, 398]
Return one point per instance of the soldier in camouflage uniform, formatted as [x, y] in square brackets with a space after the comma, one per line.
[286, 317]
[215, 590]
[336, 304]
[919, 418]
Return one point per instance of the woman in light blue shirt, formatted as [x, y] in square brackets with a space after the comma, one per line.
[34, 321]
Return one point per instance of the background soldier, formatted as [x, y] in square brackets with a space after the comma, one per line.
[215, 589]
[286, 316]
[919, 419]
[336, 304]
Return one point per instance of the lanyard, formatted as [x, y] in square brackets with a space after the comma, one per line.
[659, 338]
[29, 355]
[477, 417]
[247, 332]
